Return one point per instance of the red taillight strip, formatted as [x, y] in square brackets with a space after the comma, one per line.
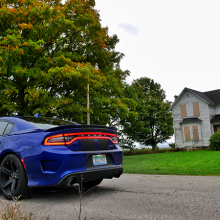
[80, 138]
[91, 137]
[88, 137]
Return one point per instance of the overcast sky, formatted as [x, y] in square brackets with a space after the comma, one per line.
[174, 42]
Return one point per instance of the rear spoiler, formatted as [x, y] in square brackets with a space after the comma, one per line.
[80, 126]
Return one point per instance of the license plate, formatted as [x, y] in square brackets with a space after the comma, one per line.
[99, 159]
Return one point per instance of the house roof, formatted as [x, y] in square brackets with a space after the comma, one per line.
[214, 96]
[210, 97]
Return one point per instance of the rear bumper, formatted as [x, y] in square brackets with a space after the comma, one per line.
[86, 176]
[57, 165]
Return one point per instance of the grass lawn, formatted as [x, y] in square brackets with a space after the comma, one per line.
[202, 162]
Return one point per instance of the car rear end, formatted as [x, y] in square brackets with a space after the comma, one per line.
[71, 152]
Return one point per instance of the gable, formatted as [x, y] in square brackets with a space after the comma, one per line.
[199, 95]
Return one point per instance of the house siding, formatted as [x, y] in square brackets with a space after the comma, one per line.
[205, 125]
[212, 110]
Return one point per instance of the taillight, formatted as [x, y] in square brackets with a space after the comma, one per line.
[55, 140]
[69, 138]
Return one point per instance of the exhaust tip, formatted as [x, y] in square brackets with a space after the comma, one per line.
[72, 181]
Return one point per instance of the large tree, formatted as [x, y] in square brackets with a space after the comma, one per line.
[49, 52]
[154, 123]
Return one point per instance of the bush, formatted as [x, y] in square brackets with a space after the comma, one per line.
[215, 141]
[172, 145]
[149, 151]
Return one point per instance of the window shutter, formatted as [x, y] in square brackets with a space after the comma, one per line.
[183, 111]
[196, 109]
[195, 133]
[187, 133]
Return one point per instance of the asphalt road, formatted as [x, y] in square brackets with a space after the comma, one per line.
[133, 196]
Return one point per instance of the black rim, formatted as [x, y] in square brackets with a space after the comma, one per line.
[9, 173]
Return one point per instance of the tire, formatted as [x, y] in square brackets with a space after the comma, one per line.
[13, 178]
[92, 183]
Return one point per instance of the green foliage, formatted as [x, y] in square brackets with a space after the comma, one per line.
[153, 122]
[125, 142]
[172, 145]
[176, 97]
[49, 52]
[215, 141]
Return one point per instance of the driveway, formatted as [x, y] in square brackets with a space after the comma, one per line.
[133, 196]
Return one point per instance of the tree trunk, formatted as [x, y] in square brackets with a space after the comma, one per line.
[154, 147]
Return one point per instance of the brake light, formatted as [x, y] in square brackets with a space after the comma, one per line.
[55, 140]
[69, 138]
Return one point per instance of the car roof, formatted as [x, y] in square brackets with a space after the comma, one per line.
[19, 124]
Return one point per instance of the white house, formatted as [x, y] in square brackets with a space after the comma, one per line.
[196, 116]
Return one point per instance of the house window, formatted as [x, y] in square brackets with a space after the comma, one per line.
[183, 111]
[195, 133]
[216, 128]
[196, 109]
[187, 133]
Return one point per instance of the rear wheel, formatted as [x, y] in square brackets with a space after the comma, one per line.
[13, 179]
[92, 183]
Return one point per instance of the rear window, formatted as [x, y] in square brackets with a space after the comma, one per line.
[46, 123]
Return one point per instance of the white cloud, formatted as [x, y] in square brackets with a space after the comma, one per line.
[129, 28]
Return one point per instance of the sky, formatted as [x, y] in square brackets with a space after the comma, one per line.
[174, 42]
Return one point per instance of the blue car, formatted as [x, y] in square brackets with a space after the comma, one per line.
[39, 151]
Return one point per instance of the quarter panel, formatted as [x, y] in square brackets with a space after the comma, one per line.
[2, 140]
[27, 141]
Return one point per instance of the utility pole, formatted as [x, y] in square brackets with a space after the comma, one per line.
[88, 114]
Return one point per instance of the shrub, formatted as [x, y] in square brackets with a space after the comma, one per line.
[172, 145]
[215, 141]
[149, 151]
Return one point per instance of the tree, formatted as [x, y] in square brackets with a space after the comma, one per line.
[49, 52]
[154, 123]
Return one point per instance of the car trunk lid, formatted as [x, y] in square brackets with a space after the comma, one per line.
[83, 137]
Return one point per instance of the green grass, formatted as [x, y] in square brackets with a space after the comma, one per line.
[204, 162]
